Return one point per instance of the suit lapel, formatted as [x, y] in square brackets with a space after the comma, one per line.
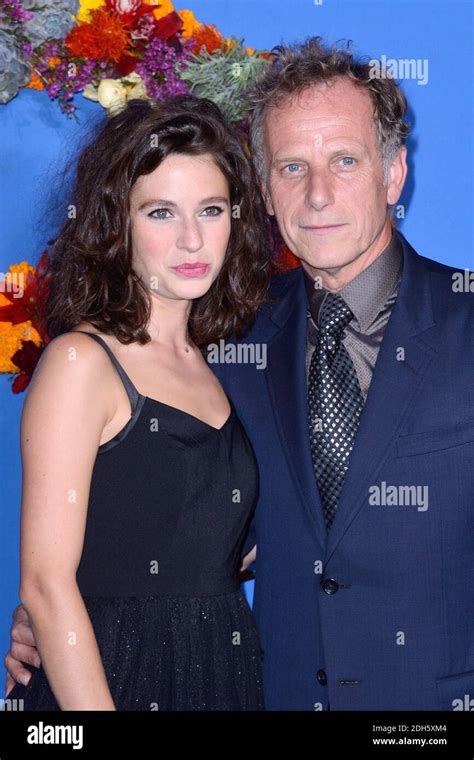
[394, 384]
[286, 378]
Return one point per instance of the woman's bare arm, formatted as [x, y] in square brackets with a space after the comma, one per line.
[63, 418]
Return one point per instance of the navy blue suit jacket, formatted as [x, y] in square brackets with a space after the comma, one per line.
[383, 604]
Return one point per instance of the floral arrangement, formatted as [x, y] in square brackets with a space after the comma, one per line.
[110, 51]
[113, 50]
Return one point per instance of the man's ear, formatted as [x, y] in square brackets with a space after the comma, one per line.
[266, 197]
[397, 176]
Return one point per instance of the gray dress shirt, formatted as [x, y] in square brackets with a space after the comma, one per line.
[370, 296]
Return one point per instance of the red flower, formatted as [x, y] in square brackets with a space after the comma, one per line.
[30, 305]
[286, 259]
[168, 25]
[104, 38]
[26, 359]
[130, 13]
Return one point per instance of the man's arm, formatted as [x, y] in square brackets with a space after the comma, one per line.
[22, 650]
[23, 645]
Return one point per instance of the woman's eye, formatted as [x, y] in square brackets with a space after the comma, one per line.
[216, 211]
[160, 212]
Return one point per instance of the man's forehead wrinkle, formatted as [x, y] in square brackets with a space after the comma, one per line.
[318, 117]
[332, 130]
[323, 96]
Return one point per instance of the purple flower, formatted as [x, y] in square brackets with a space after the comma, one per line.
[158, 70]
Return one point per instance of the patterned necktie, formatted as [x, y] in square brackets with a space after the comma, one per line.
[335, 403]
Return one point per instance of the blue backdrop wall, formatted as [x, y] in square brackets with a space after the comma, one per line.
[36, 138]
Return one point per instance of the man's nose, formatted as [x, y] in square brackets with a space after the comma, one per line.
[319, 191]
[189, 236]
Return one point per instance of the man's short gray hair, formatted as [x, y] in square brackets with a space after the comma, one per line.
[297, 67]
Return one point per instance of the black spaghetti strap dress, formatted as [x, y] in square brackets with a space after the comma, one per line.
[171, 500]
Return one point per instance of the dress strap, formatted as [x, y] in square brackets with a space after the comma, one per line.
[132, 392]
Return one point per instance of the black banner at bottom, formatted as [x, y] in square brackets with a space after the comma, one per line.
[382, 734]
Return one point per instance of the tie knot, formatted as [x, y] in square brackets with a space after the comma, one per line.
[334, 315]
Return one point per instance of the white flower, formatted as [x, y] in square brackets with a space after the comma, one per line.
[135, 86]
[112, 95]
[125, 6]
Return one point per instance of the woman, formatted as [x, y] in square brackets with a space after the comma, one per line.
[139, 482]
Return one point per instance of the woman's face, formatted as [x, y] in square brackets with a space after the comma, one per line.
[180, 224]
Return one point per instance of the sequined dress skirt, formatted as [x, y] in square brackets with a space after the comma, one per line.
[170, 653]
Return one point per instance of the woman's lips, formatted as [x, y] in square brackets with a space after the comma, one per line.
[192, 270]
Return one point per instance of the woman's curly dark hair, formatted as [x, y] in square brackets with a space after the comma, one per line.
[90, 263]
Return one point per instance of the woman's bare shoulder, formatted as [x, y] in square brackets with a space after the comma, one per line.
[71, 369]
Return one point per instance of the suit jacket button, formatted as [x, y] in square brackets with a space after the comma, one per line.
[330, 586]
[322, 677]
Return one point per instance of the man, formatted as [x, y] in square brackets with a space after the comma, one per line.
[361, 421]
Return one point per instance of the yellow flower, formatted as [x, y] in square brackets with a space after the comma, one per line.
[166, 6]
[190, 23]
[12, 335]
[87, 6]
[10, 341]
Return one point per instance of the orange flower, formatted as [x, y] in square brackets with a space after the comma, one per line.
[164, 7]
[190, 24]
[12, 338]
[13, 334]
[105, 37]
[209, 36]
[35, 83]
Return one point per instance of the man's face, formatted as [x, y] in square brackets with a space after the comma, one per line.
[325, 180]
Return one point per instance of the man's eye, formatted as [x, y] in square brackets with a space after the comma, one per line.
[160, 213]
[348, 160]
[216, 211]
[292, 168]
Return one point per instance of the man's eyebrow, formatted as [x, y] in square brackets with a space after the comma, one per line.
[166, 202]
[287, 160]
[346, 147]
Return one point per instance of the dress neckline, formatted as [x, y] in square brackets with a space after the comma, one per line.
[193, 416]
[155, 400]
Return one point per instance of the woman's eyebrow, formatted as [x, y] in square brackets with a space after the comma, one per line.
[165, 202]
[215, 199]
[156, 202]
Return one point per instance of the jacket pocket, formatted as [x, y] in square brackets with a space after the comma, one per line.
[435, 440]
[456, 693]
